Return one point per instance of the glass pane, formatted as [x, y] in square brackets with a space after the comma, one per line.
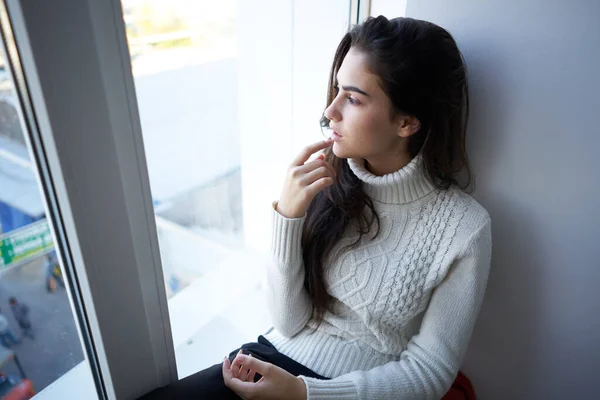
[184, 63]
[213, 236]
[40, 348]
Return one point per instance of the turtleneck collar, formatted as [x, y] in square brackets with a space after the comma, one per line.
[403, 186]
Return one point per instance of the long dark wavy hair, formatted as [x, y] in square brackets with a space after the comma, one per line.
[422, 71]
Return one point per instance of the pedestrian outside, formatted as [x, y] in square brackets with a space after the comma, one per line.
[21, 313]
[6, 336]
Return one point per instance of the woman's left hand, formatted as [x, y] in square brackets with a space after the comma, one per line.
[276, 383]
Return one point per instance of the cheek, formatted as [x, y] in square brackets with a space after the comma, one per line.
[356, 122]
[370, 129]
[367, 131]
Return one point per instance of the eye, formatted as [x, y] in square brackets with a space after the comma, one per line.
[351, 100]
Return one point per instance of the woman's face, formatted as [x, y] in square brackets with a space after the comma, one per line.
[360, 115]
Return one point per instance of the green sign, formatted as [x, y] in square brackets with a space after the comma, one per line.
[25, 243]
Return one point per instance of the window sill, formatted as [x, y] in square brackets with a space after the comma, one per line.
[227, 303]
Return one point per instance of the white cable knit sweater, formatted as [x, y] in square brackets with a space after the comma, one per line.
[405, 303]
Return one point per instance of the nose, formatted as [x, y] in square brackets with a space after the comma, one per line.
[332, 113]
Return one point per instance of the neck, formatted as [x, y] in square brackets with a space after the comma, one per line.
[407, 184]
[389, 165]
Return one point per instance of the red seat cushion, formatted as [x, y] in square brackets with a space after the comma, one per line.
[461, 389]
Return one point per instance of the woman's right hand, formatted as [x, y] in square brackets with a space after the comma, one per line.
[304, 180]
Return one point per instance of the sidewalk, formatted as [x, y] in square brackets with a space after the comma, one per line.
[56, 348]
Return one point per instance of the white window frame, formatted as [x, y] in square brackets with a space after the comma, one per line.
[85, 133]
[359, 10]
[73, 72]
[388, 8]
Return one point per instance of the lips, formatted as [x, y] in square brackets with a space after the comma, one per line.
[335, 134]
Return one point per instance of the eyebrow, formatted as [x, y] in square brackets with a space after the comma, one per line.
[354, 89]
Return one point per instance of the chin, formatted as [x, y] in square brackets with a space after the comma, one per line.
[340, 152]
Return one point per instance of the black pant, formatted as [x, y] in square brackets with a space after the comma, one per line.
[208, 383]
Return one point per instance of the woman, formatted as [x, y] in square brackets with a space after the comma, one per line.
[380, 260]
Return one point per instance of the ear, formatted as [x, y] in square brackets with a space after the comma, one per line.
[408, 125]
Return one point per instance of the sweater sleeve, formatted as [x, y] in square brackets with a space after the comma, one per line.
[431, 361]
[288, 302]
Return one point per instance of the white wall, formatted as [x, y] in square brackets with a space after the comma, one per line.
[533, 143]
[285, 51]
[388, 8]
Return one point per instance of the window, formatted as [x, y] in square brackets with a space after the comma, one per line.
[184, 59]
[388, 8]
[169, 127]
[192, 71]
[39, 336]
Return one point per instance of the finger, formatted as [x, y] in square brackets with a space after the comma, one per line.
[251, 376]
[255, 364]
[320, 156]
[226, 370]
[310, 166]
[318, 185]
[244, 371]
[316, 174]
[243, 389]
[244, 374]
[236, 364]
[309, 150]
